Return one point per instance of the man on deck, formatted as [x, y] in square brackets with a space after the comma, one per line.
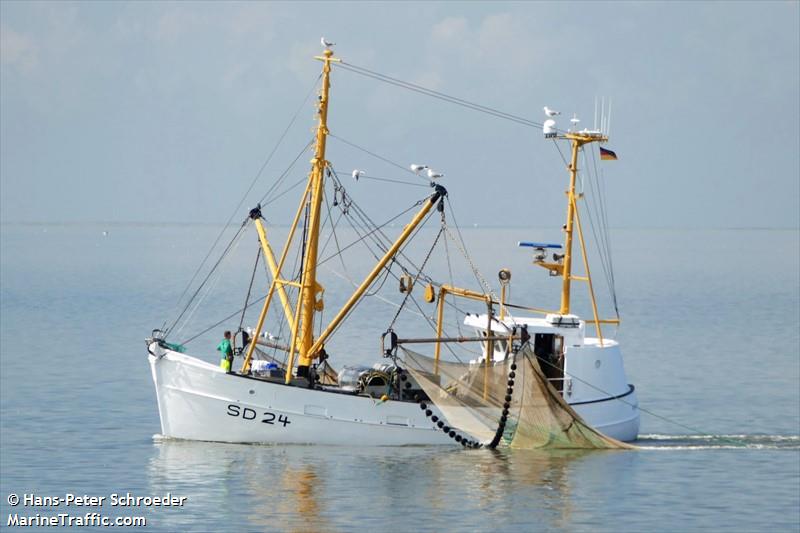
[225, 347]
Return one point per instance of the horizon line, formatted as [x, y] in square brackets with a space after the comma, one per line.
[132, 223]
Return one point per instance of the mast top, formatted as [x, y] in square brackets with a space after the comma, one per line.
[327, 56]
[586, 136]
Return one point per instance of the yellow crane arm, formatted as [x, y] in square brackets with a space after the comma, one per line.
[359, 292]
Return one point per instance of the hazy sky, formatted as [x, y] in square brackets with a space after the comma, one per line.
[164, 112]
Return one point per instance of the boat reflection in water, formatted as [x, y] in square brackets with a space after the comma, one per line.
[304, 488]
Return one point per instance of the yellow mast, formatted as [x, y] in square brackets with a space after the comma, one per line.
[577, 140]
[308, 301]
[566, 273]
[438, 195]
[276, 283]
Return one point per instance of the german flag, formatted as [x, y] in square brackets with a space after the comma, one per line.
[607, 155]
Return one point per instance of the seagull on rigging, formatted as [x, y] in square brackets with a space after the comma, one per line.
[551, 112]
[357, 174]
[432, 174]
[416, 169]
[326, 44]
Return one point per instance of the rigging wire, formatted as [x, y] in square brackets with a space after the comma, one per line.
[272, 153]
[429, 320]
[599, 219]
[378, 296]
[235, 243]
[595, 218]
[376, 156]
[247, 192]
[462, 247]
[439, 95]
[228, 317]
[384, 246]
[334, 225]
[283, 175]
[369, 223]
[235, 237]
[416, 278]
[601, 185]
[361, 222]
[595, 222]
[357, 303]
[452, 284]
[250, 287]
[281, 316]
[564, 159]
[391, 180]
[602, 240]
[365, 236]
[613, 397]
[338, 248]
[205, 280]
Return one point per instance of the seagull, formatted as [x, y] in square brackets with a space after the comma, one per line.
[432, 174]
[325, 43]
[551, 112]
[357, 174]
[418, 168]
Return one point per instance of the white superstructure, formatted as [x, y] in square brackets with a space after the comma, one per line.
[590, 375]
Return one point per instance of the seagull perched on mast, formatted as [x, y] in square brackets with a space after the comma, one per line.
[325, 43]
[416, 169]
[551, 112]
[432, 174]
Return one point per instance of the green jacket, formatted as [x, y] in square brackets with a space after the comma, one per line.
[226, 349]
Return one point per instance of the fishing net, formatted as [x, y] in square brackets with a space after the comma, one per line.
[472, 397]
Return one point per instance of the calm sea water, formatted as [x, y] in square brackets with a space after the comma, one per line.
[710, 335]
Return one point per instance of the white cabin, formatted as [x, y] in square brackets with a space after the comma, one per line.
[590, 375]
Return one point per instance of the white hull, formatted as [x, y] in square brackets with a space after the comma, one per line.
[612, 417]
[598, 390]
[199, 401]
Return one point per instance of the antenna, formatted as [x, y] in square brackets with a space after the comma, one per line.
[594, 124]
[602, 112]
[608, 120]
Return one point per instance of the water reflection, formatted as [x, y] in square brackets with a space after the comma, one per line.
[302, 488]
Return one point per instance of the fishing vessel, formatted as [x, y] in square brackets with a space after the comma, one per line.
[535, 377]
